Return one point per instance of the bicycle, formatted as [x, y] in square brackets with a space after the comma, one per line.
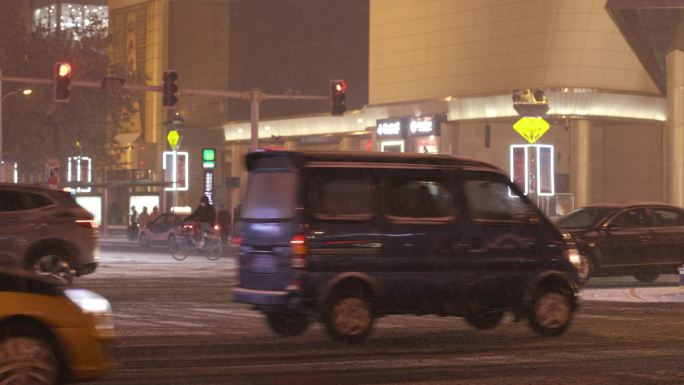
[185, 242]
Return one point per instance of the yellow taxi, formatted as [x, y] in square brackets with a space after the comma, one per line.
[50, 333]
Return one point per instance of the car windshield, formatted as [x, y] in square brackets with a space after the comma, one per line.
[583, 218]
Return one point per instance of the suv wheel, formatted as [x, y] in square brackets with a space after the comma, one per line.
[646, 276]
[484, 318]
[27, 356]
[349, 316]
[551, 311]
[54, 264]
[287, 324]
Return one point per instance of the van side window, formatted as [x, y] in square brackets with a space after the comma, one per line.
[421, 199]
[496, 200]
[340, 194]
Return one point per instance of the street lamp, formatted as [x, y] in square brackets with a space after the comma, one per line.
[23, 91]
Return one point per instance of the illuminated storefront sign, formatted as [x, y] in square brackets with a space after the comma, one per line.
[175, 170]
[390, 128]
[80, 170]
[425, 125]
[531, 128]
[532, 168]
[209, 184]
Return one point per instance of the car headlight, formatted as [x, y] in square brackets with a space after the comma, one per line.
[573, 255]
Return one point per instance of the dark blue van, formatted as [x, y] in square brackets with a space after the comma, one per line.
[344, 238]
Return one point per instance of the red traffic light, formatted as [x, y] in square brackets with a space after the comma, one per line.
[63, 69]
[338, 97]
[62, 81]
[340, 86]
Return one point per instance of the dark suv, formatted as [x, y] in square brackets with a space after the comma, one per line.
[627, 238]
[46, 231]
[344, 238]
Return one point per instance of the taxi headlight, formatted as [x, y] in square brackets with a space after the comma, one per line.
[95, 305]
[88, 301]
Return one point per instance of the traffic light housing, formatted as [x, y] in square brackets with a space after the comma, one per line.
[62, 81]
[338, 89]
[170, 89]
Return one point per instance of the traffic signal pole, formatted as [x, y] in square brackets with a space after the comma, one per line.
[254, 96]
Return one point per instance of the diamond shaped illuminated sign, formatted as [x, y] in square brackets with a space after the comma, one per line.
[173, 137]
[531, 128]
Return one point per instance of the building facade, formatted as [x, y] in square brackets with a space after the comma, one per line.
[456, 63]
[190, 37]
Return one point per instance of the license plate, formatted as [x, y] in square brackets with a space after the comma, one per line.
[263, 264]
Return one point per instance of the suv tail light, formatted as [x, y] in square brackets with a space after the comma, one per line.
[299, 251]
[87, 223]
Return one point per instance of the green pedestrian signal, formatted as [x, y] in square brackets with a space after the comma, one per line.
[208, 158]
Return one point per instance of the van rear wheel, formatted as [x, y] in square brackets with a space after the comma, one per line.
[288, 324]
[349, 316]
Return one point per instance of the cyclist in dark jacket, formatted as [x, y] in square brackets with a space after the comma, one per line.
[204, 214]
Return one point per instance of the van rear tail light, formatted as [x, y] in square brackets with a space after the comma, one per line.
[299, 251]
[87, 223]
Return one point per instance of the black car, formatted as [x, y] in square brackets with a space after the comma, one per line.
[631, 238]
[344, 238]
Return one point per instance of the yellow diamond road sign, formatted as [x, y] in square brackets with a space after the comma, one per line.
[531, 128]
[173, 138]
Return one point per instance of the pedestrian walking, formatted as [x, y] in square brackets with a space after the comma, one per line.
[224, 222]
[144, 218]
[133, 225]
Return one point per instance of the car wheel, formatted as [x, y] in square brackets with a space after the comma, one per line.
[144, 242]
[551, 311]
[27, 356]
[349, 316]
[484, 318]
[646, 276]
[53, 263]
[288, 324]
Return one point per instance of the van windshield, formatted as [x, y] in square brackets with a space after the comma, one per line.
[270, 195]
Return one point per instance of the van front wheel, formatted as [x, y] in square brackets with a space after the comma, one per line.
[349, 316]
[287, 324]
